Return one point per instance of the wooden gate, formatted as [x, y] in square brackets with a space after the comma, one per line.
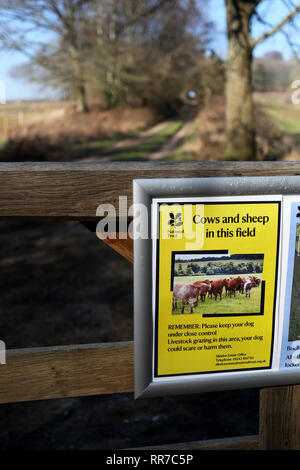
[73, 191]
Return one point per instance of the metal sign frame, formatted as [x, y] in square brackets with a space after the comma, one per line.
[144, 191]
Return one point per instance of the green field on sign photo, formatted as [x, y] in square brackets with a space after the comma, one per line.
[228, 305]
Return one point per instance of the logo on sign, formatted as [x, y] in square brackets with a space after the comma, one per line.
[175, 220]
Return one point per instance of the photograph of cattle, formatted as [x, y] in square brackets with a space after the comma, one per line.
[294, 326]
[217, 284]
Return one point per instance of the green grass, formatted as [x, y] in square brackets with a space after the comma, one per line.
[150, 144]
[233, 305]
[286, 116]
[180, 153]
[94, 146]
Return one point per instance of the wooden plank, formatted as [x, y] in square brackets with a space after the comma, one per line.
[121, 242]
[280, 418]
[66, 371]
[234, 443]
[123, 246]
[73, 191]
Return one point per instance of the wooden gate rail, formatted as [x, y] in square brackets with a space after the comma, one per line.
[84, 370]
[73, 191]
[66, 371]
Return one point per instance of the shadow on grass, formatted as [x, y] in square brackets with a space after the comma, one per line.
[42, 149]
[149, 145]
[39, 149]
[95, 147]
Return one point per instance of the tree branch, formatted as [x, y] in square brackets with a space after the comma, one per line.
[142, 14]
[276, 28]
[294, 47]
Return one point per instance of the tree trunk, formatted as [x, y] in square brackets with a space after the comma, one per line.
[81, 100]
[239, 116]
[79, 84]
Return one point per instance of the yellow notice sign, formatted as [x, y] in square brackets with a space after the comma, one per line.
[215, 281]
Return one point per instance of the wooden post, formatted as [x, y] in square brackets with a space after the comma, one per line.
[118, 241]
[280, 418]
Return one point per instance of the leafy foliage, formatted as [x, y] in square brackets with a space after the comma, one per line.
[211, 268]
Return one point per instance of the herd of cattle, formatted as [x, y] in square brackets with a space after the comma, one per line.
[190, 293]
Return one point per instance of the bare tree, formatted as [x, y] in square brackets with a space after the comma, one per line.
[63, 18]
[124, 51]
[151, 60]
[240, 126]
[69, 20]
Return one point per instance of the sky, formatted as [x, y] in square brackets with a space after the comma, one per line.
[272, 11]
[18, 88]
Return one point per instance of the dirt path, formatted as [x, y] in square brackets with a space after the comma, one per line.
[143, 135]
[127, 144]
[143, 146]
[172, 143]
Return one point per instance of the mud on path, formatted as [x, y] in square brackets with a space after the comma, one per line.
[60, 285]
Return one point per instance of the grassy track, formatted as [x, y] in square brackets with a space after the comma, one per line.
[233, 305]
[182, 152]
[150, 144]
[287, 117]
[95, 146]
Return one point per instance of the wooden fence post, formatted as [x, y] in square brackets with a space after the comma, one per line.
[280, 418]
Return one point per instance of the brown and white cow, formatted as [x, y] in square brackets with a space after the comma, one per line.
[256, 280]
[187, 293]
[249, 284]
